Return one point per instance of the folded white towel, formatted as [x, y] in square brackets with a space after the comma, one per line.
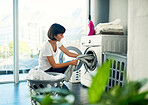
[114, 26]
[41, 75]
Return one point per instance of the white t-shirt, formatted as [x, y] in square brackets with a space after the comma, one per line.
[45, 51]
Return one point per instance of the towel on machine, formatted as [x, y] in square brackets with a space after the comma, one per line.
[110, 28]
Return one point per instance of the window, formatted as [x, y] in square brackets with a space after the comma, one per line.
[6, 41]
[35, 18]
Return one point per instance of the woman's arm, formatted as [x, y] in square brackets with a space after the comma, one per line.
[70, 54]
[60, 65]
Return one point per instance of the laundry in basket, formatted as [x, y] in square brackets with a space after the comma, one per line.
[39, 79]
[41, 75]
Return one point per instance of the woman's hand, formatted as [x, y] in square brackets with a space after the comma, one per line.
[74, 62]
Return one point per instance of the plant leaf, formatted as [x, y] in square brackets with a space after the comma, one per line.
[99, 82]
[139, 97]
[46, 100]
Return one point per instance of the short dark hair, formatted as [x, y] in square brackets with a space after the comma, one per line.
[54, 30]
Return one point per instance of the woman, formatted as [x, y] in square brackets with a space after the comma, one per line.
[49, 51]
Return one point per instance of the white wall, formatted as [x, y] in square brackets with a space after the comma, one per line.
[137, 40]
[99, 11]
[118, 9]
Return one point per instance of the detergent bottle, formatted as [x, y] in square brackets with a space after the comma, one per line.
[91, 28]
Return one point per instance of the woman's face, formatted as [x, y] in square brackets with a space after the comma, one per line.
[59, 37]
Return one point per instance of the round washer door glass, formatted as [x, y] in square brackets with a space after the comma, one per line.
[93, 61]
[64, 58]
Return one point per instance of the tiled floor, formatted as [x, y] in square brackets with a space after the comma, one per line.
[12, 94]
[80, 93]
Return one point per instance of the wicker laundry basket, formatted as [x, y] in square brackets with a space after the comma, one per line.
[37, 84]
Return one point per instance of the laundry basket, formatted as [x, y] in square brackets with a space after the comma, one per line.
[117, 69]
[37, 84]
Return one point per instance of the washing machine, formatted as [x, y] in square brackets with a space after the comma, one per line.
[96, 45]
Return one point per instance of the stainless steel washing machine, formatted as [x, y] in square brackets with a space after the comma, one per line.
[96, 45]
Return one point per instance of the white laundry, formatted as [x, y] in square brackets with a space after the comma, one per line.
[41, 75]
[112, 27]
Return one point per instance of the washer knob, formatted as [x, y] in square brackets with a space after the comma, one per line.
[89, 41]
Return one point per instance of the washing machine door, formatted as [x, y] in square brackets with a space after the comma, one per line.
[65, 58]
[94, 62]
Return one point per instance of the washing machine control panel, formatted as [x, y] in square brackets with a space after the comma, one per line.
[88, 40]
